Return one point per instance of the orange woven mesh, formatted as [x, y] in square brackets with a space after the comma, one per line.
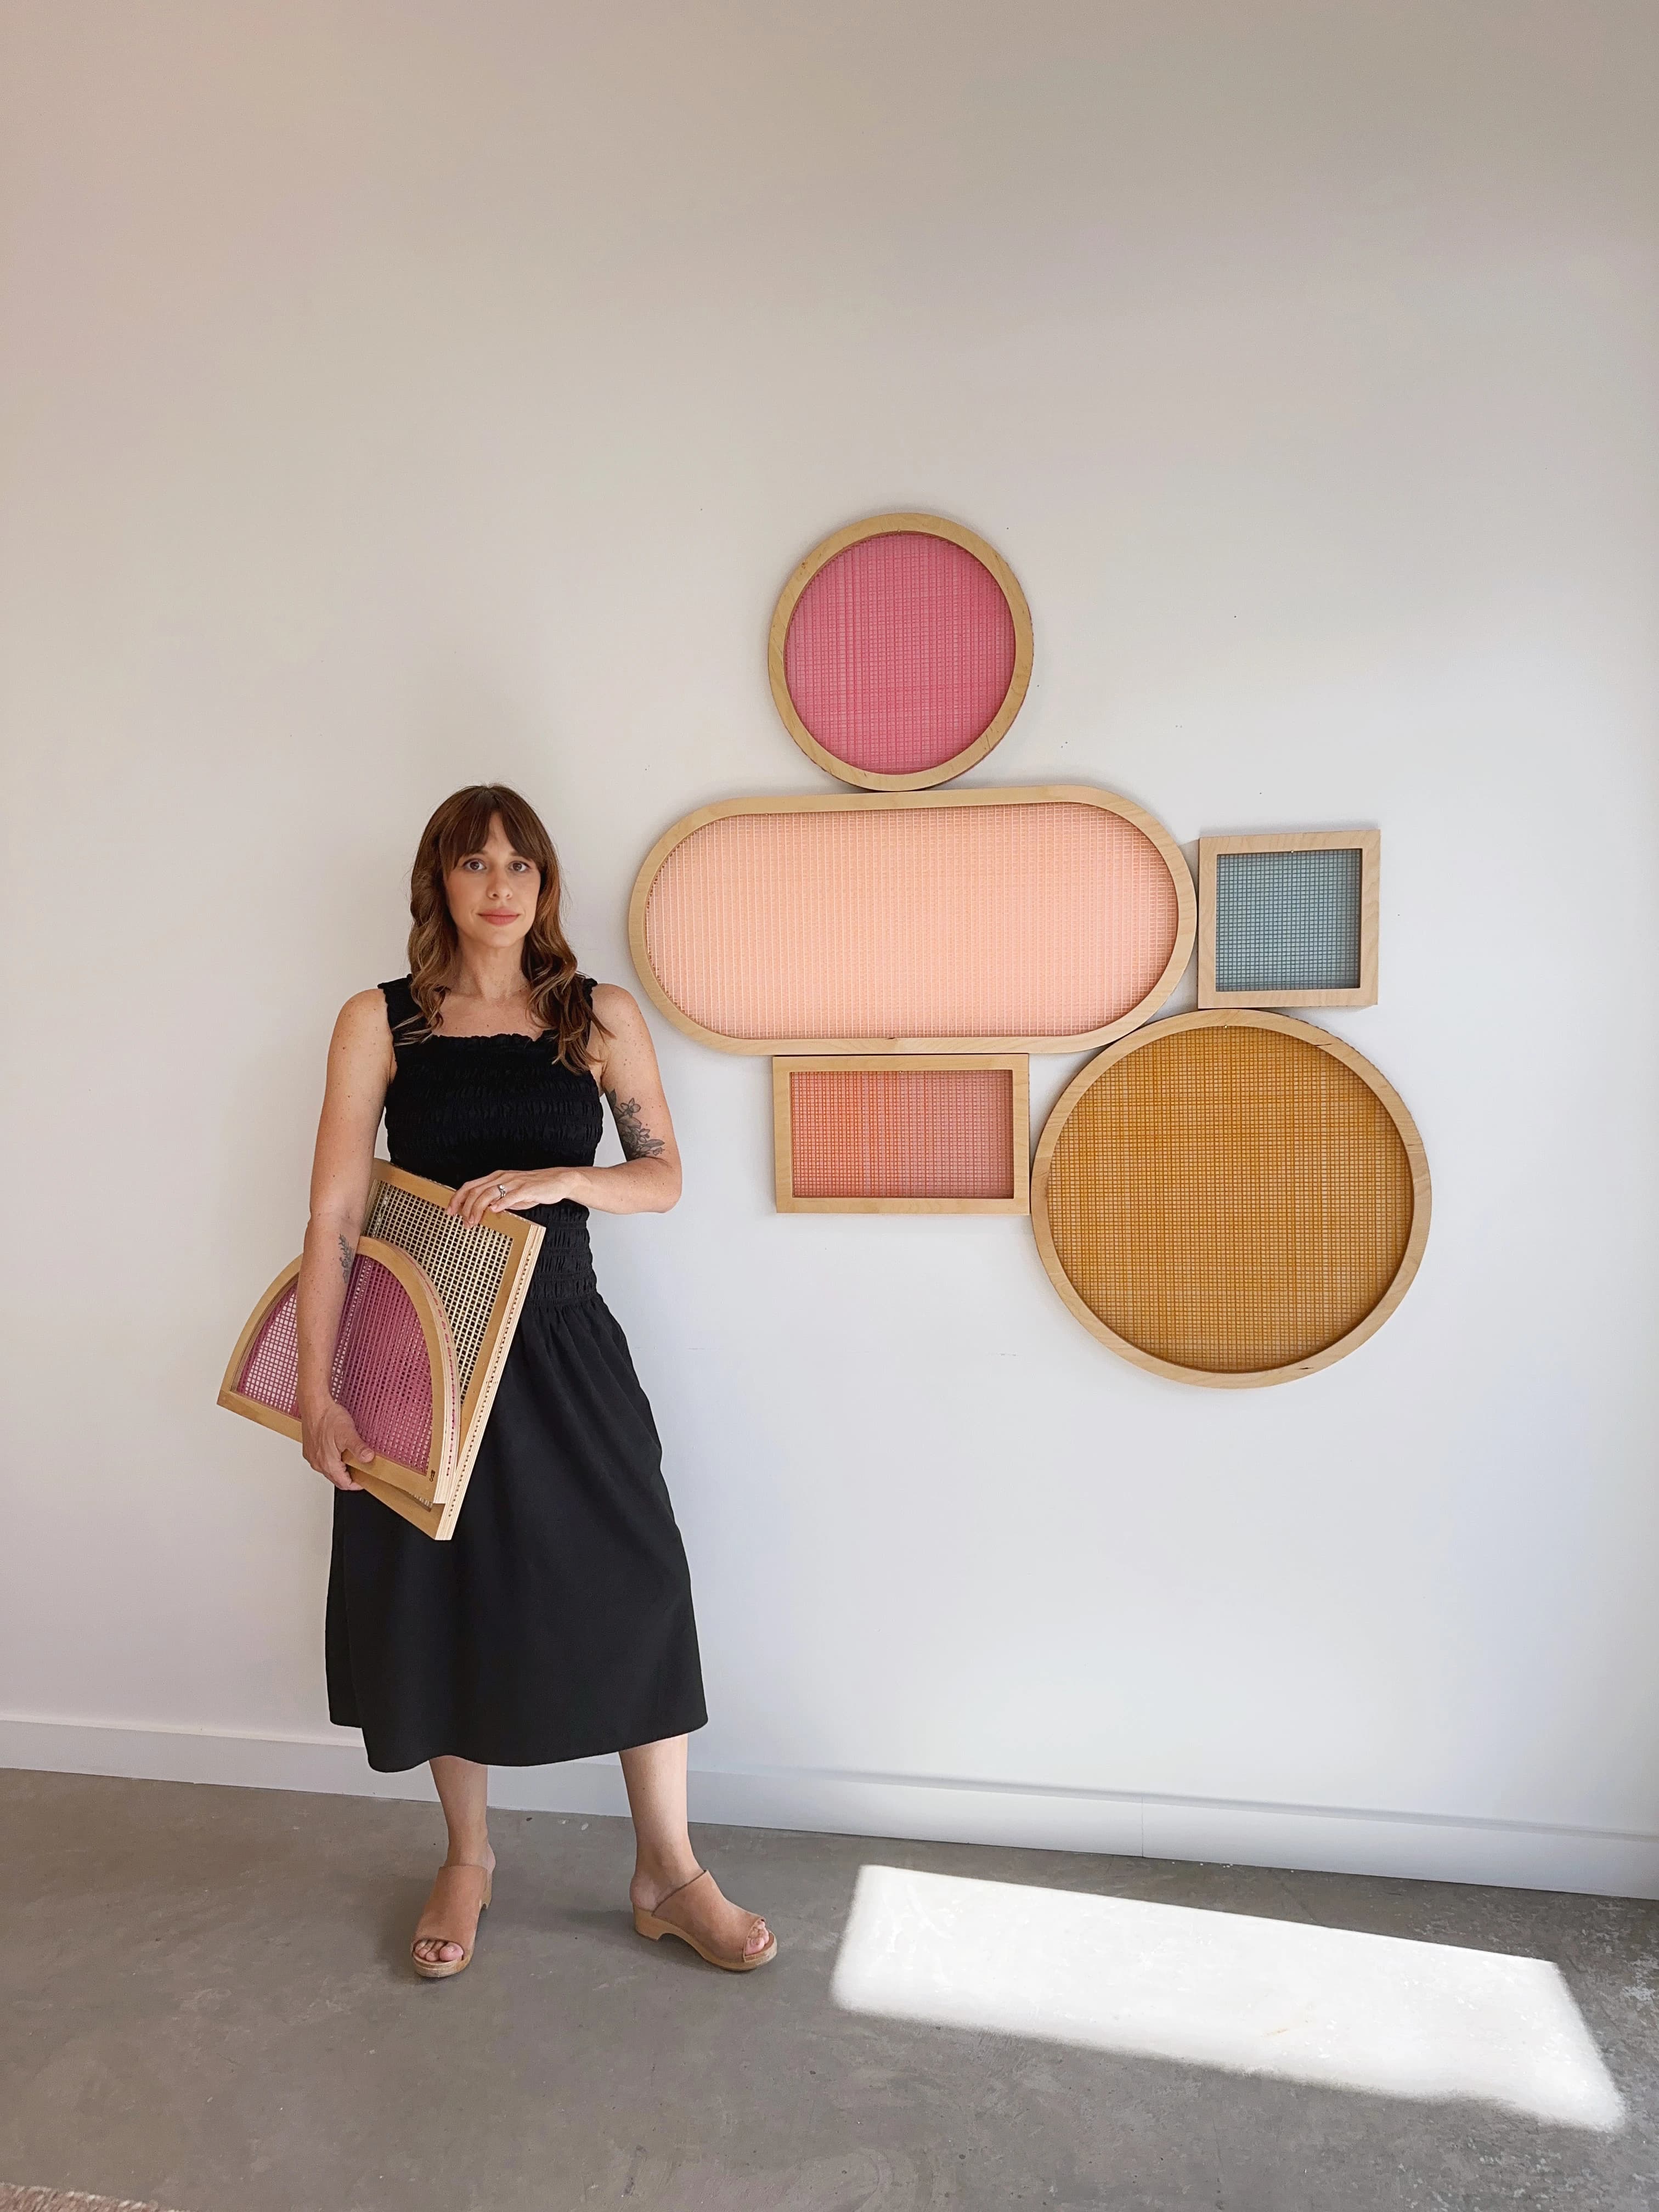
[1048, 920]
[1230, 1199]
[902, 1133]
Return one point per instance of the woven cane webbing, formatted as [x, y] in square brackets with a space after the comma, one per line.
[463, 1266]
[1288, 921]
[1230, 1199]
[899, 652]
[1045, 919]
[382, 1368]
[902, 1133]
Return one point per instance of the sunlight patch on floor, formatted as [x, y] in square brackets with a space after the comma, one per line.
[1277, 1998]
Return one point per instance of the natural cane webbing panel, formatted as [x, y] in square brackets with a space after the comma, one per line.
[382, 1368]
[465, 1266]
[1229, 1198]
[1035, 920]
[899, 652]
[910, 1133]
[1288, 920]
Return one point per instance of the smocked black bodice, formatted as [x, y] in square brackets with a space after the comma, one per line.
[461, 1106]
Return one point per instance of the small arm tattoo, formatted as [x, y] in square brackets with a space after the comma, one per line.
[637, 1142]
[346, 1259]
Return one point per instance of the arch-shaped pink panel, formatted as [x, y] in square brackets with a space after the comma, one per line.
[382, 1368]
[1032, 922]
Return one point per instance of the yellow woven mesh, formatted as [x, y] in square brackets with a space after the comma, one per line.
[1230, 1199]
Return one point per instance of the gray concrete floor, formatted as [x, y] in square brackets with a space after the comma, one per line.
[207, 2006]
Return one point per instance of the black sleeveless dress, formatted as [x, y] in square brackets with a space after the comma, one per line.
[557, 1621]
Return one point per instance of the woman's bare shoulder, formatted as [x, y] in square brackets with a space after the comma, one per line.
[364, 1015]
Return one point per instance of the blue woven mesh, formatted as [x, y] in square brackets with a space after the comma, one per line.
[1287, 922]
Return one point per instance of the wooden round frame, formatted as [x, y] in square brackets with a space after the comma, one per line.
[1393, 1104]
[891, 526]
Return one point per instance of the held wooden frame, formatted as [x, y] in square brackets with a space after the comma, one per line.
[888, 525]
[430, 1499]
[419, 1485]
[1019, 1068]
[1398, 1113]
[1367, 843]
[848, 801]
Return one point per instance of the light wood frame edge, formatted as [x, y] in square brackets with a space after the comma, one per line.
[1370, 845]
[886, 525]
[526, 1238]
[1224, 1018]
[423, 1484]
[1037, 794]
[1018, 1066]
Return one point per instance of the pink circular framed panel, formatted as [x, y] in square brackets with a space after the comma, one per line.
[900, 652]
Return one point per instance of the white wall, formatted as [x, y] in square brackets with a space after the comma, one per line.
[401, 394]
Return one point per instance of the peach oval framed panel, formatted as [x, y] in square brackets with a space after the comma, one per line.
[900, 652]
[1046, 919]
[1230, 1199]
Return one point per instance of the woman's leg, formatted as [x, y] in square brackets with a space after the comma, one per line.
[464, 1793]
[664, 1859]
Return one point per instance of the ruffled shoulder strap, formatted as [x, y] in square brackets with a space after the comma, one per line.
[402, 1011]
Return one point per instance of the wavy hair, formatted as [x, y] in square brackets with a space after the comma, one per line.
[561, 1001]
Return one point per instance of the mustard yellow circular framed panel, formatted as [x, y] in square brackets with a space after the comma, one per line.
[1230, 1199]
[900, 652]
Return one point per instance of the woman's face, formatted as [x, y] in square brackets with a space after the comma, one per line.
[492, 893]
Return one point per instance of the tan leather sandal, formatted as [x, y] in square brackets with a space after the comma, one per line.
[652, 1924]
[429, 1928]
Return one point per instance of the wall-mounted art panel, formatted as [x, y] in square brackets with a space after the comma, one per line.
[1288, 919]
[900, 652]
[1043, 920]
[1230, 1199]
[940, 1132]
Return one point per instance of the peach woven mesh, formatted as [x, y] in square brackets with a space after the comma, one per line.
[1231, 1199]
[902, 1133]
[1046, 919]
[382, 1369]
[899, 652]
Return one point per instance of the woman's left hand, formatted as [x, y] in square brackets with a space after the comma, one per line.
[510, 1191]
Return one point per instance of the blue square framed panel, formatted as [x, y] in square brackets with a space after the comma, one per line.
[1288, 919]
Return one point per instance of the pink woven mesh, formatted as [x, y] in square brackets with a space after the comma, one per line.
[382, 1371]
[899, 652]
[1046, 919]
[902, 1133]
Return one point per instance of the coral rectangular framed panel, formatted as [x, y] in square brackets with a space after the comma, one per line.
[1288, 919]
[902, 1133]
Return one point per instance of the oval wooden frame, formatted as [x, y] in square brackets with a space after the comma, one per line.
[1393, 1104]
[1109, 802]
[893, 525]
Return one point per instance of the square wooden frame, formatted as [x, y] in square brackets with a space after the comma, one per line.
[1018, 1066]
[1369, 845]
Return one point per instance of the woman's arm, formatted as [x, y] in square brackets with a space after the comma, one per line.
[649, 1180]
[360, 1066]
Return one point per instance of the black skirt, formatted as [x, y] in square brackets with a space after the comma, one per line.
[557, 1622]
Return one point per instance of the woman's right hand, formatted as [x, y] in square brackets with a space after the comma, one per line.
[328, 1437]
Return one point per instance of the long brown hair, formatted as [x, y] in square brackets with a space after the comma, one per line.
[559, 1001]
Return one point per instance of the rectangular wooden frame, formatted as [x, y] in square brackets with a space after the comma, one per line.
[1019, 1068]
[1369, 845]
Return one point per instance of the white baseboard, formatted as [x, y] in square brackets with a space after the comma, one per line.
[1425, 1847]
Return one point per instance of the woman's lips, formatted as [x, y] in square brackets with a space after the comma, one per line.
[498, 917]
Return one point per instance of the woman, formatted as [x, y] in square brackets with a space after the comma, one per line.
[557, 1622]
